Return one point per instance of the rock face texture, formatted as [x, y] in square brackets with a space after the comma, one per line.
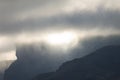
[103, 64]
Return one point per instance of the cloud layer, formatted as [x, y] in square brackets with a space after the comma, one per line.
[95, 22]
[23, 19]
[21, 16]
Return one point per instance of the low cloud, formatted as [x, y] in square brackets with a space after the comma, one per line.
[96, 22]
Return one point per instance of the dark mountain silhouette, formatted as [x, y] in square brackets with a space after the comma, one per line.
[103, 64]
[32, 61]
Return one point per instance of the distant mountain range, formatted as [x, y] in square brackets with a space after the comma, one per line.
[103, 64]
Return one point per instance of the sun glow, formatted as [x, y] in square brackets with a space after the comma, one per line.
[61, 39]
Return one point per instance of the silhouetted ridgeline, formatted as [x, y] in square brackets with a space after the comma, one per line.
[103, 64]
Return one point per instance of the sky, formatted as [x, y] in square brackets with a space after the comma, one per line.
[28, 21]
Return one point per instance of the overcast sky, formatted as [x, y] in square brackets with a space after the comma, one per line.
[27, 15]
[27, 19]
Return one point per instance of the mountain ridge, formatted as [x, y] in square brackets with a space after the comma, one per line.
[103, 64]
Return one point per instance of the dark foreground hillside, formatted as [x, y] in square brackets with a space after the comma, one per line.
[32, 61]
[103, 64]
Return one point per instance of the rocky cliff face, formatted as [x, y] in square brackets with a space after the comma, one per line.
[103, 64]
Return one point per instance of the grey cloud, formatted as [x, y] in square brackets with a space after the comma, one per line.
[81, 20]
[102, 18]
[11, 8]
[15, 6]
